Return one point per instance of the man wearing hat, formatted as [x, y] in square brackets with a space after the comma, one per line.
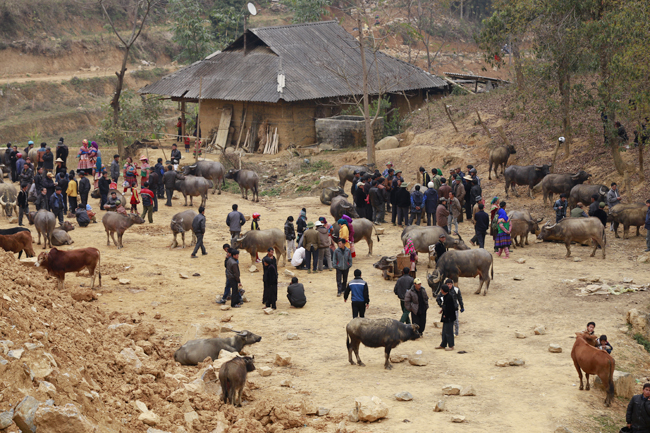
[416, 301]
[48, 182]
[360, 199]
[388, 165]
[403, 203]
[83, 187]
[442, 214]
[431, 204]
[59, 166]
[310, 243]
[62, 153]
[48, 160]
[30, 146]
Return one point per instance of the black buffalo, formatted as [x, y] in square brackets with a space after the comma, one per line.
[195, 351]
[583, 193]
[562, 183]
[386, 333]
[469, 263]
[529, 175]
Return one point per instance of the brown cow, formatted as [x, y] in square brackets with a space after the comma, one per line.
[18, 242]
[58, 263]
[232, 377]
[593, 361]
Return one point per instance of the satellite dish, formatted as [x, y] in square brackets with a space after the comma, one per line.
[252, 9]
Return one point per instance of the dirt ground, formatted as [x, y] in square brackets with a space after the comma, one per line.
[537, 397]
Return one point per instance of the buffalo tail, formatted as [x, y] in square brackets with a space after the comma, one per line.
[347, 341]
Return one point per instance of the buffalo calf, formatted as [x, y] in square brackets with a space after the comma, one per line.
[232, 377]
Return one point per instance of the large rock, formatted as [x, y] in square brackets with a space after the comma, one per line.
[387, 143]
[624, 384]
[178, 396]
[396, 359]
[195, 387]
[370, 409]
[62, 419]
[468, 391]
[638, 320]
[327, 182]
[47, 388]
[83, 294]
[418, 361]
[520, 334]
[149, 418]
[224, 356]
[540, 330]
[451, 389]
[457, 418]
[264, 371]
[25, 414]
[307, 407]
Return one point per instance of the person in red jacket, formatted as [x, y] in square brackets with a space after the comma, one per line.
[147, 201]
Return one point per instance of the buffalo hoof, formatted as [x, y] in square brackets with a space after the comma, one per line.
[352, 363]
[587, 387]
[219, 193]
[361, 364]
[388, 367]
[192, 205]
[485, 293]
[478, 292]
[581, 387]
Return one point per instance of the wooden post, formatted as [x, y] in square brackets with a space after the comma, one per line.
[428, 115]
[480, 122]
[197, 144]
[444, 106]
[183, 123]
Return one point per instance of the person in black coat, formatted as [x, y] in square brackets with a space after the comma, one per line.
[48, 160]
[296, 294]
[431, 204]
[23, 204]
[483, 225]
[154, 186]
[360, 200]
[104, 185]
[83, 188]
[62, 152]
[637, 416]
[475, 191]
[601, 214]
[448, 318]
[440, 247]
[403, 201]
[270, 279]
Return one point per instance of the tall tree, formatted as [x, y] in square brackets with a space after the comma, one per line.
[191, 30]
[138, 13]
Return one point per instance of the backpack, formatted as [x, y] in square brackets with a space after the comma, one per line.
[146, 200]
[130, 171]
[495, 223]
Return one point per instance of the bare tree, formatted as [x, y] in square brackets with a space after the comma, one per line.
[139, 13]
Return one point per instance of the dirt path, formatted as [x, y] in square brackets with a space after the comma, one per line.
[68, 75]
[535, 398]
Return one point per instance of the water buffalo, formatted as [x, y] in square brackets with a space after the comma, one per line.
[45, 221]
[469, 264]
[17, 243]
[582, 194]
[577, 230]
[630, 215]
[386, 333]
[499, 157]
[247, 179]
[424, 237]
[363, 229]
[519, 231]
[531, 223]
[593, 361]
[232, 377]
[340, 206]
[562, 183]
[529, 175]
[346, 173]
[194, 186]
[327, 194]
[60, 234]
[8, 198]
[212, 170]
[181, 223]
[115, 222]
[33, 155]
[261, 240]
[58, 263]
[195, 351]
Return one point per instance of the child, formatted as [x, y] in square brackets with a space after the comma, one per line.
[603, 344]
[290, 236]
[255, 225]
[135, 200]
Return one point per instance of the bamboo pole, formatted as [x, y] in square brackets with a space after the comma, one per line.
[444, 106]
[197, 143]
[480, 122]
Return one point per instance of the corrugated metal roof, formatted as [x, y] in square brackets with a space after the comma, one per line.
[319, 60]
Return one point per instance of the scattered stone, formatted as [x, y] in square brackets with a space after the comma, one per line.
[451, 389]
[370, 409]
[577, 259]
[645, 258]
[184, 276]
[195, 387]
[322, 411]
[440, 406]
[47, 388]
[502, 363]
[67, 418]
[157, 316]
[628, 280]
[516, 362]
[418, 361]
[288, 273]
[307, 407]
[623, 329]
[468, 391]
[518, 278]
[595, 279]
[395, 358]
[520, 334]
[155, 430]
[353, 415]
[268, 310]
[265, 371]
[16, 353]
[196, 274]
[341, 428]
[292, 336]
[3, 362]
[6, 419]
[252, 269]
[25, 413]
[124, 281]
[380, 230]
[555, 348]
[282, 359]
[404, 396]
[582, 279]
[178, 396]
[190, 417]
[286, 383]
[521, 261]
[457, 418]
[540, 330]
[42, 366]
[225, 307]
[83, 294]
[226, 317]
[129, 358]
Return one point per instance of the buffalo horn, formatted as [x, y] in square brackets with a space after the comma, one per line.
[2, 202]
[538, 167]
[539, 220]
[601, 192]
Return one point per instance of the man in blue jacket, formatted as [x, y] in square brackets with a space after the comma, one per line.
[360, 296]
[56, 204]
